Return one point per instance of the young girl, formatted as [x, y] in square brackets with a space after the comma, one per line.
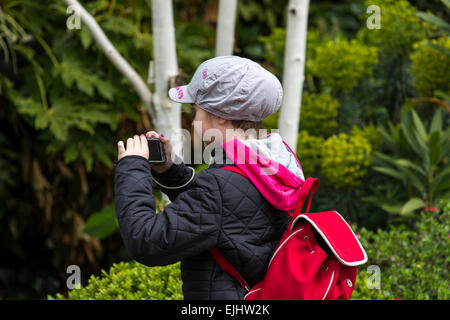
[216, 208]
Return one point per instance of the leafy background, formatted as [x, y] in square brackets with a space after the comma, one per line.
[373, 126]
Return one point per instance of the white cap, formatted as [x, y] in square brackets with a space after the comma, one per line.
[233, 88]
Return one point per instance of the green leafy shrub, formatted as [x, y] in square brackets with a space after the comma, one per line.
[413, 263]
[345, 159]
[319, 114]
[400, 26]
[271, 122]
[131, 281]
[431, 67]
[416, 158]
[275, 43]
[370, 133]
[341, 65]
[274, 48]
[308, 152]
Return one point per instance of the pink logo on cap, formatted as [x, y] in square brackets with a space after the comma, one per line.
[180, 92]
[205, 73]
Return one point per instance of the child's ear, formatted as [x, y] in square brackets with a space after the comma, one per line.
[222, 121]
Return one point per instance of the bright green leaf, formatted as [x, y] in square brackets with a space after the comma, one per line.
[411, 205]
[102, 223]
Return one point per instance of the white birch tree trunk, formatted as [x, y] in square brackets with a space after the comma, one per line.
[294, 70]
[168, 113]
[225, 27]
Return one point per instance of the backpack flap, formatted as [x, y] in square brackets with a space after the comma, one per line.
[338, 235]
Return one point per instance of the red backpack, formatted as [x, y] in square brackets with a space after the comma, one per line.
[301, 268]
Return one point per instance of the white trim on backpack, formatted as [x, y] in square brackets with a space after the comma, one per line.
[350, 264]
[329, 286]
[278, 249]
[252, 292]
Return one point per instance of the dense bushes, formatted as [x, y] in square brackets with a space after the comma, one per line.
[308, 149]
[345, 159]
[431, 67]
[131, 281]
[400, 26]
[414, 263]
[341, 65]
[319, 114]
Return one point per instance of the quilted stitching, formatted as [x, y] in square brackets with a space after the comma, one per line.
[218, 208]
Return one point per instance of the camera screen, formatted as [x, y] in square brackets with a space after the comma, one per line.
[155, 151]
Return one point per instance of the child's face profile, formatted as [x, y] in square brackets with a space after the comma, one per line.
[206, 125]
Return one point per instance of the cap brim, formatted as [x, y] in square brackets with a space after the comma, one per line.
[181, 95]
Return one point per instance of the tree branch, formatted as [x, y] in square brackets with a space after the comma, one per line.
[114, 56]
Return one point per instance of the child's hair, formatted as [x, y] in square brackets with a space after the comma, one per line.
[243, 124]
[246, 125]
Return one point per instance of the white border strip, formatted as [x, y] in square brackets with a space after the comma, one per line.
[278, 249]
[329, 286]
[178, 187]
[351, 264]
[251, 292]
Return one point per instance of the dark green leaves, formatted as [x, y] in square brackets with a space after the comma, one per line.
[102, 223]
[419, 168]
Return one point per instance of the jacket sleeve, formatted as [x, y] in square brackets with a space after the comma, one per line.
[187, 226]
[177, 179]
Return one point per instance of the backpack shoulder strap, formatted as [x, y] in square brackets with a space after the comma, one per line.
[228, 268]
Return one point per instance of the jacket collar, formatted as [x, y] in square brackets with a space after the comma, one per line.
[221, 159]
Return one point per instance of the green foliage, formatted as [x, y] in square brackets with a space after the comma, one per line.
[308, 152]
[345, 159]
[319, 114]
[341, 65]
[255, 18]
[103, 223]
[274, 48]
[400, 26]
[416, 158]
[274, 45]
[130, 281]
[271, 122]
[440, 23]
[431, 67]
[370, 133]
[69, 87]
[413, 263]
[201, 167]
[197, 46]
[261, 10]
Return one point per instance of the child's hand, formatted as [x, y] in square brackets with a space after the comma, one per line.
[135, 146]
[161, 167]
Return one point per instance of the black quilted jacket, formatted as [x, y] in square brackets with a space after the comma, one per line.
[215, 208]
